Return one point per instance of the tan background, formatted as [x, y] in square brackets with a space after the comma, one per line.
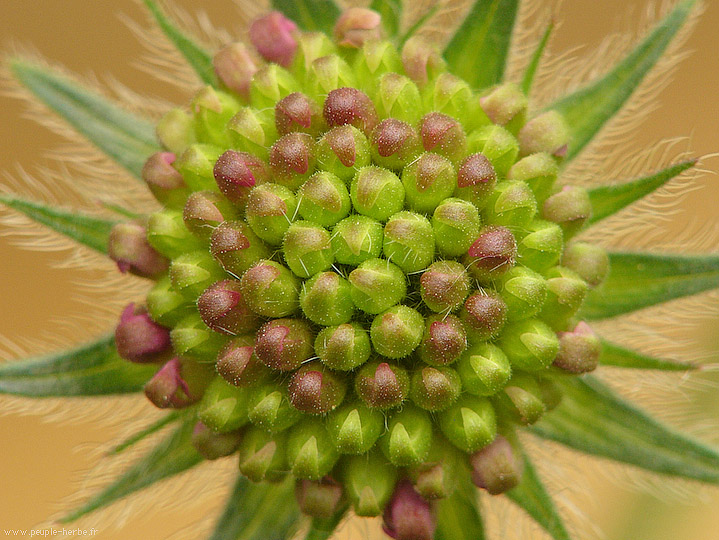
[39, 463]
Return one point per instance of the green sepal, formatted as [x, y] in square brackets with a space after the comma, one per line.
[458, 516]
[93, 369]
[478, 50]
[86, 230]
[531, 496]
[638, 280]
[310, 15]
[146, 432]
[196, 56]
[175, 454]
[391, 12]
[324, 528]
[262, 511]
[594, 420]
[617, 356]
[589, 108]
[531, 70]
[608, 200]
[123, 136]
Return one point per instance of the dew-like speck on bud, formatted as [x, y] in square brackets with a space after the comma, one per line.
[138, 338]
[292, 160]
[238, 365]
[283, 344]
[492, 253]
[381, 385]
[274, 38]
[129, 248]
[234, 66]
[297, 112]
[314, 389]
[570, 208]
[356, 26]
[211, 445]
[497, 467]
[484, 315]
[579, 350]
[443, 135]
[395, 144]
[343, 347]
[319, 499]
[224, 310]
[444, 286]
[422, 60]
[236, 247]
[164, 181]
[270, 289]
[204, 211]
[236, 173]
[476, 179]
[350, 106]
[547, 132]
[591, 262]
[397, 332]
[408, 516]
[444, 340]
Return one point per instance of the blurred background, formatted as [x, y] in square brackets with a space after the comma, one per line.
[42, 463]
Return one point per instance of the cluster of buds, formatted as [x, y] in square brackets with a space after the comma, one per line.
[364, 274]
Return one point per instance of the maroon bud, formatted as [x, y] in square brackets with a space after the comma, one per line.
[236, 247]
[238, 365]
[292, 159]
[318, 499]
[408, 516]
[579, 350]
[350, 106]
[223, 309]
[492, 254]
[168, 389]
[234, 67]
[357, 25]
[484, 315]
[314, 389]
[476, 179]
[164, 181]
[394, 144]
[381, 385]
[236, 173]
[128, 247]
[138, 338]
[273, 37]
[444, 286]
[283, 344]
[444, 340]
[297, 112]
[443, 135]
[211, 445]
[496, 467]
[204, 211]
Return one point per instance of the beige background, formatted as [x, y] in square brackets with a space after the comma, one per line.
[40, 463]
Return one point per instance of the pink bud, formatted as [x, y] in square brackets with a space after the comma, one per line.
[138, 338]
[357, 25]
[272, 36]
[408, 516]
[234, 67]
[167, 388]
[129, 248]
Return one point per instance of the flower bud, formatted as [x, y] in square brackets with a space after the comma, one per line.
[307, 249]
[590, 261]
[512, 204]
[211, 445]
[484, 369]
[444, 286]
[129, 248]
[565, 294]
[497, 467]
[354, 428]
[324, 199]
[484, 315]
[270, 210]
[497, 144]
[521, 399]
[395, 144]
[476, 179]
[434, 389]
[530, 345]
[356, 239]
[547, 132]
[369, 481]
[377, 193]
[409, 241]
[191, 338]
[292, 160]
[408, 437]
[236, 247]
[579, 350]
[550, 392]
[443, 135]
[204, 211]
[329, 73]
[262, 455]
[269, 408]
[422, 60]
[236, 173]
[176, 131]
[376, 57]
[542, 245]
[274, 38]
[193, 272]
[238, 365]
[381, 385]
[538, 171]
[310, 47]
[428, 181]
[224, 310]
[163, 180]
[178, 384]
[283, 344]
[408, 516]
[455, 223]
[377, 285]
[470, 423]
[342, 151]
[212, 110]
[314, 389]
[325, 299]
[223, 407]
[270, 289]
[397, 332]
[196, 165]
[350, 106]
[444, 340]
[506, 105]
[524, 292]
[165, 305]
[138, 338]
[492, 254]
[298, 113]
[235, 67]
[343, 347]
[570, 208]
[166, 232]
[269, 85]
[310, 452]
[356, 26]
[318, 499]
[454, 97]
[252, 131]
[398, 97]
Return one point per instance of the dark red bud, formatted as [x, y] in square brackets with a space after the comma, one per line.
[167, 388]
[236, 173]
[314, 389]
[484, 314]
[128, 247]
[273, 37]
[297, 112]
[283, 344]
[492, 253]
[408, 516]
[382, 386]
[350, 106]
[138, 338]
[224, 310]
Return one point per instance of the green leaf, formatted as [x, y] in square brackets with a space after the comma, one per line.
[458, 516]
[391, 12]
[87, 230]
[261, 511]
[478, 50]
[149, 430]
[592, 419]
[310, 15]
[93, 369]
[195, 55]
[532, 497]
[322, 528]
[531, 70]
[123, 136]
[589, 108]
[608, 200]
[175, 454]
[614, 355]
[638, 280]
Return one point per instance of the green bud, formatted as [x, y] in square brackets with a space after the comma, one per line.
[435, 388]
[454, 97]
[441, 472]
[377, 193]
[211, 445]
[328, 73]
[342, 151]
[196, 165]
[456, 225]
[324, 199]
[270, 84]
[163, 180]
[314, 389]
[541, 246]
[356, 239]
[470, 423]
[252, 131]
[325, 299]
[283, 344]
[166, 232]
[238, 365]
[476, 179]
[497, 467]
[373, 58]
[538, 171]
[565, 293]
[307, 249]
[175, 131]
[484, 315]
[497, 144]
[269, 408]
[343, 347]
[292, 160]
[570, 208]
[524, 292]
[443, 135]
[310, 451]
[521, 399]
[223, 407]
[224, 310]
[377, 285]
[270, 289]
[299, 113]
[236, 247]
[204, 211]
[530, 345]
[165, 305]
[191, 338]
[350, 106]
[262, 455]
[409, 241]
[506, 105]
[444, 340]
[491, 254]
[193, 272]
[408, 437]
[398, 97]
[369, 481]
[444, 286]
[310, 47]
[354, 428]
[484, 369]
[318, 499]
[547, 132]
[212, 110]
[270, 211]
[579, 350]
[395, 144]
[397, 332]
[512, 204]
[428, 181]
[590, 261]
[381, 385]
